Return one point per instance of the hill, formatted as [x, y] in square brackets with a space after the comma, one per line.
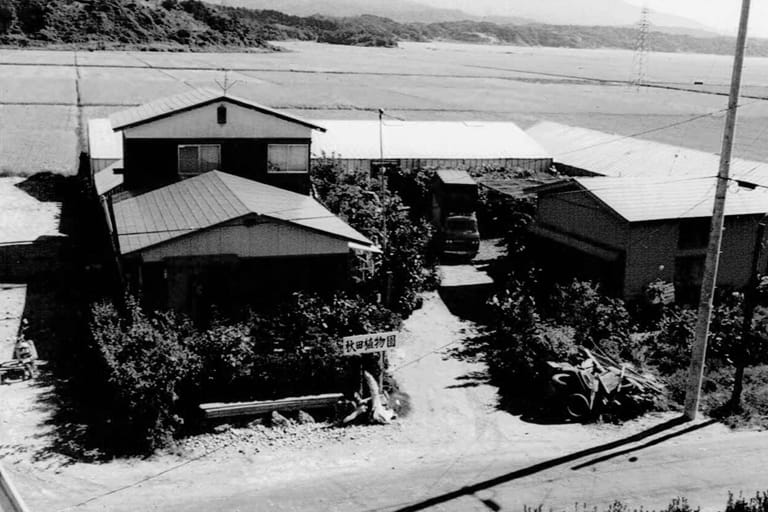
[169, 24]
[191, 24]
[616, 13]
[397, 10]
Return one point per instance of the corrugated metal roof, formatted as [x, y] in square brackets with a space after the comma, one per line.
[212, 198]
[615, 155]
[103, 142]
[660, 198]
[425, 140]
[167, 106]
[455, 177]
[106, 180]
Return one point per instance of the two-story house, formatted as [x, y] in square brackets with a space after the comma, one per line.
[210, 204]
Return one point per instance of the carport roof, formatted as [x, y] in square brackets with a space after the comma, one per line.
[214, 198]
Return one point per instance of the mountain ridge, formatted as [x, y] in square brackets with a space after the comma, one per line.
[616, 13]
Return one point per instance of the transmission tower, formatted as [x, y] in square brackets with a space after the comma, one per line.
[642, 48]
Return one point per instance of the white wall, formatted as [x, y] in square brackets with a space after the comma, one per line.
[202, 123]
[260, 240]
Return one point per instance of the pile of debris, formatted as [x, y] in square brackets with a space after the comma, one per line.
[600, 385]
[374, 409]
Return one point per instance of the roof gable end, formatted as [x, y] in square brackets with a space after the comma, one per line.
[198, 98]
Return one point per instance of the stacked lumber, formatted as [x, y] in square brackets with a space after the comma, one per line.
[226, 410]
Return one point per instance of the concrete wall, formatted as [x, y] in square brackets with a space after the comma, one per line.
[201, 123]
[258, 240]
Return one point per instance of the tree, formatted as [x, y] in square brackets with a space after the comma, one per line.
[7, 16]
[31, 15]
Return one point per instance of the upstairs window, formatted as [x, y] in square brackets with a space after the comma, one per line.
[196, 159]
[288, 158]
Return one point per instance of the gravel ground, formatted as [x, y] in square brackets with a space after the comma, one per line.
[257, 438]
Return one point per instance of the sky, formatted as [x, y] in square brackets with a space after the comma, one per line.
[722, 15]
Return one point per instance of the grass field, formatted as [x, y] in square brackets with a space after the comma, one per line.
[41, 119]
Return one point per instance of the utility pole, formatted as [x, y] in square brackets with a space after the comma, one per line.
[381, 134]
[699, 349]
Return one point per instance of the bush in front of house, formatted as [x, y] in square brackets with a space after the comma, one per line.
[145, 359]
[158, 367]
[520, 344]
[600, 322]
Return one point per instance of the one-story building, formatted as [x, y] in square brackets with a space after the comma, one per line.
[208, 204]
[220, 239]
[628, 232]
[465, 145]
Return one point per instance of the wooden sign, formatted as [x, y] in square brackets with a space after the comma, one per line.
[368, 343]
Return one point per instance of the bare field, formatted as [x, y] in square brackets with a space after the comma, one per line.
[430, 81]
[38, 138]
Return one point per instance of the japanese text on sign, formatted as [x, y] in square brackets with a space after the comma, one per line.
[368, 343]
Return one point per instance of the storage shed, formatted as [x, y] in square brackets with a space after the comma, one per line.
[428, 144]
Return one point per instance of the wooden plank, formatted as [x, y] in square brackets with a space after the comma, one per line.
[224, 410]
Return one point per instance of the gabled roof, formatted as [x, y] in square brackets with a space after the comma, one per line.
[421, 140]
[608, 154]
[165, 107]
[213, 198]
[662, 198]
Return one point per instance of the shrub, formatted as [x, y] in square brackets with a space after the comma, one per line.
[159, 367]
[757, 503]
[382, 216]
[598, 321]
[520, 345]
[145, 360]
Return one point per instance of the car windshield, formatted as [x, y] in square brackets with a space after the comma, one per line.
[459, 224]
